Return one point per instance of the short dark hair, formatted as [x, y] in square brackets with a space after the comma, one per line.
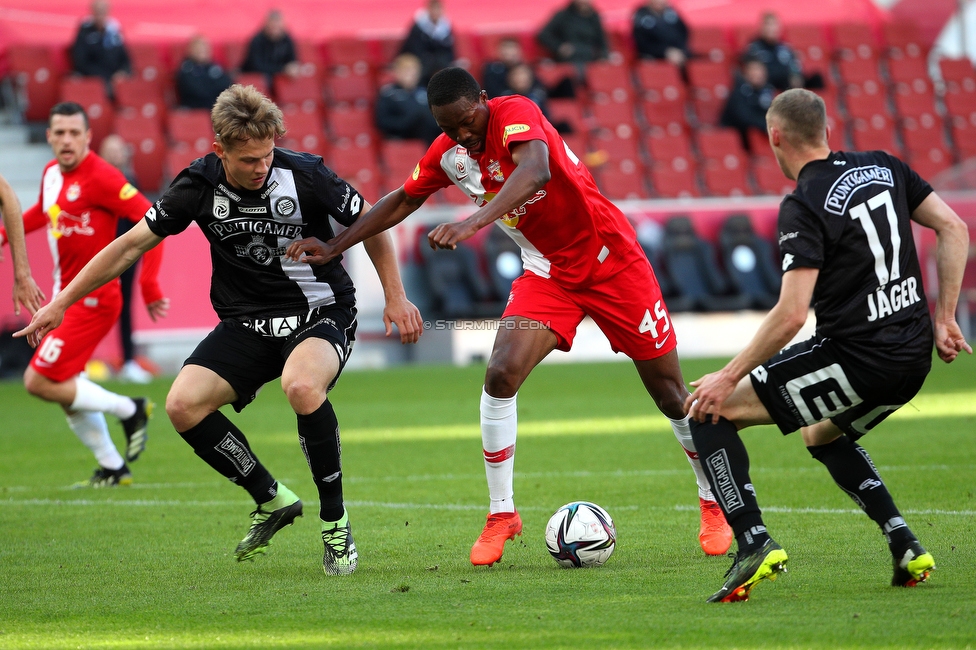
[803, 115]
[68, 108]
[451, 84]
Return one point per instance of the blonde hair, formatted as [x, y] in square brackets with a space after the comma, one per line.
[243, 113]
[803, 116]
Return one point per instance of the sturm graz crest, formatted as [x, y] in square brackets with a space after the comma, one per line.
[258, 251]
[285, 206]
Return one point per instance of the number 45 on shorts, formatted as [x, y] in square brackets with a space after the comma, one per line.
[657, 324]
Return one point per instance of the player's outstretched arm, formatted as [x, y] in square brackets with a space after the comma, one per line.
[107, 265]
[952, 249]
[531, 174]
[777, 329]
[26, 291]
[398, 309]
[388, 212]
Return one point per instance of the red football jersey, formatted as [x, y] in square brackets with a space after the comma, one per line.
[81, 209]
[568, 231]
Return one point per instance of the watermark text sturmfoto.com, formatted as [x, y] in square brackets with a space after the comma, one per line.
[486, 324]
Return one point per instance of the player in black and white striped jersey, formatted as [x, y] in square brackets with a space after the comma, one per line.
[846, 242]
[278, 317]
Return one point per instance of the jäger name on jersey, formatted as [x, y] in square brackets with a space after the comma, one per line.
[884, 302]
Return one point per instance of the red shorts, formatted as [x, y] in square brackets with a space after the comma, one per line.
[64, 352]
[628, 308]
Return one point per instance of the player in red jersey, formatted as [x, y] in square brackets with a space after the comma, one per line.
[82, 197]
[581, 258]
[26, 291]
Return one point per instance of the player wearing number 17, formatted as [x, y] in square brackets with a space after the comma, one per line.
[581, 259]
[845, 236]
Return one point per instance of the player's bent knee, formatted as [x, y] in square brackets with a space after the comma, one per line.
[502, 381]
[306, 394]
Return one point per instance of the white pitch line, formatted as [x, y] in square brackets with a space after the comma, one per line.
[438, 506]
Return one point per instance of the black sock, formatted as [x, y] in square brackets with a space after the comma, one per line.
[852, 470]
[726, 463]
[318, 433]
[222, 446]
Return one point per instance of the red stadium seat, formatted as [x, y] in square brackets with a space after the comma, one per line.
[907, 70]
[349, 88]
[812, 46]
[620, 41]
[400, 157]
[668, 149]
[353, 126]
[960, 104]
[855, 41]
[609, 82]
[302, 92]
[710, 83]
[670, 182]
[91, 94]
[723, 146]
[865, 104]
[722, 181]
[908, 102]
[234, 54]
[257, 79]
[712, 43]
[551, 74]
[616, 148]
[663, 93]
[467, 54]
[352, 52]
[193, 128]
[930, 162]
[759, 144]
[618, 118]
[904, 40]
[359, 167]
[309, 53]
[148, 60]
[859, 71]
[37, 75]
[304, 132]
[141, 96]
[959, 75]
[568, 111]
[145, 136]
[964, 135]
[178, 158]
[488, 44]
[874, 132]
[770, 178]
[623, 180]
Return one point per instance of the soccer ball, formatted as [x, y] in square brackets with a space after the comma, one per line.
[581, 534]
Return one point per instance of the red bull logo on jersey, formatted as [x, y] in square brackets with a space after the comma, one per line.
[65, 224]
[73, 192]
[495, 171]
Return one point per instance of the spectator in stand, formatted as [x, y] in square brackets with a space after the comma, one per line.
[431, 39]
[99, 50]
[115, 152]
[782, 65]
[272, 50]
[401, 107]
[575, 34]
[749, 100]
[200, 80]
[495, 73]
[660, 33]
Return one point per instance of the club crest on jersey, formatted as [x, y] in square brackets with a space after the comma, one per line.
[258, 251]
[285, 206]
[73, 192]
[221, 206]
[495, 171]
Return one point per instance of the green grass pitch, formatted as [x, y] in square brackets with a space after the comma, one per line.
[152, 566]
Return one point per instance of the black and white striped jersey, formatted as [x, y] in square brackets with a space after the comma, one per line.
[850, 217]
[249, 232]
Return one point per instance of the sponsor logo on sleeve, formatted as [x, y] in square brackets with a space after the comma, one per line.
[512, 129]
[787, 261]
[127, 192]
[416, 172]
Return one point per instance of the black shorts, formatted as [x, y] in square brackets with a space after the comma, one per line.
[247, 360]
[811, 381]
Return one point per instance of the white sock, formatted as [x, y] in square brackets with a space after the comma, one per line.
[499, 426]
[89, 396]
[91, 429]
[682, 431]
